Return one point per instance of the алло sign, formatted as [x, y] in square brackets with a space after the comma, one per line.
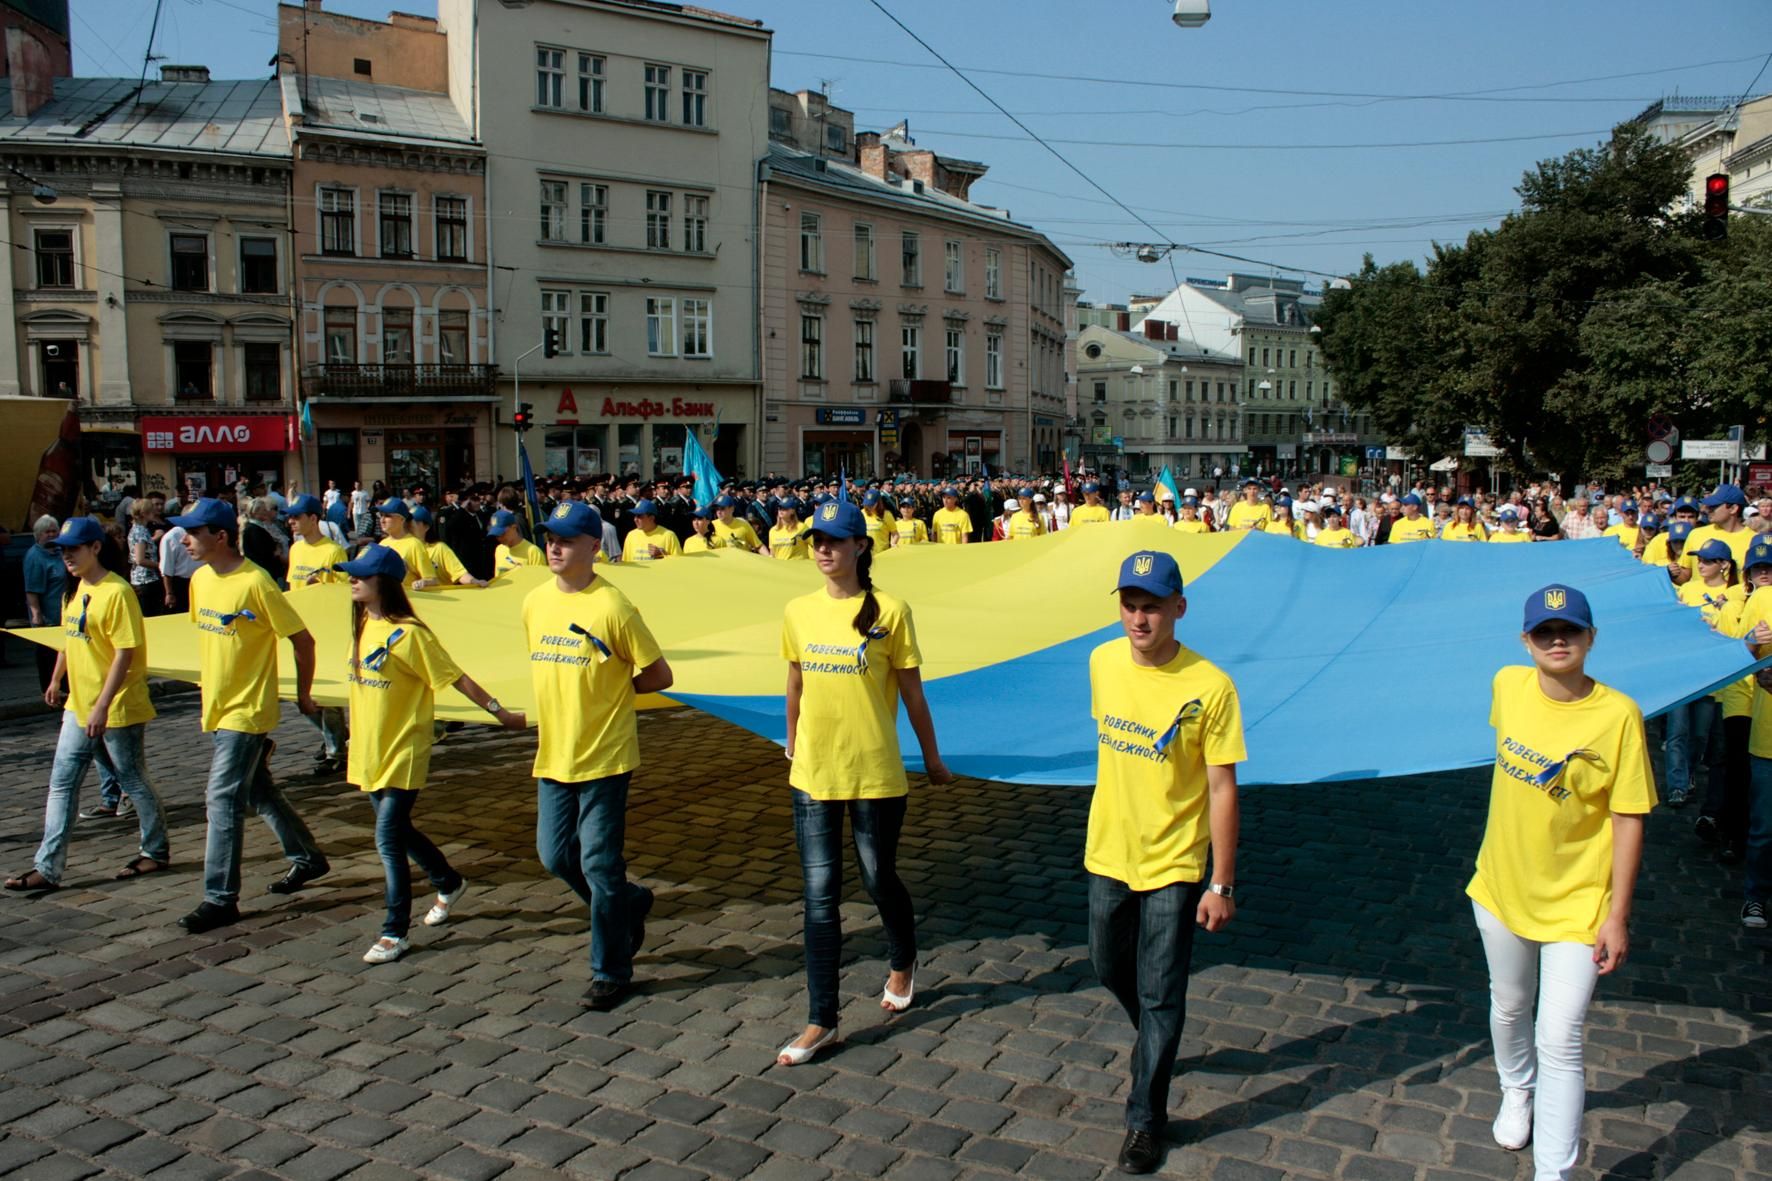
[214, 433]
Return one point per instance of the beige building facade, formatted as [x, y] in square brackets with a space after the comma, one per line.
[1150, 400]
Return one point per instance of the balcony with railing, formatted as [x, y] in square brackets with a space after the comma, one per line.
[920, 393]
[460, 382]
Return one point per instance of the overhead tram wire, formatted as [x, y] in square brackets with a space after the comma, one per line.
[1272, 147]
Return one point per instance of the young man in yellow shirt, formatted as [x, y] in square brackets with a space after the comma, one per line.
[730, 530]
[312, 554]
[395, 517]
[951, 524]
[1171, 734]
[648, 541]
[1250, 512]
[590, 655]
[1412, 525]
[1727, 507]
[1626, 531]
[1091, 511]
[513, 549]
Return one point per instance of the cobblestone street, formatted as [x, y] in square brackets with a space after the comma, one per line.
[1337, 1030]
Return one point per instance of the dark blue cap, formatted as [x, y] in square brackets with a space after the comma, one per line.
[1686, 502]
[1147, 497]
[1650, 521]
[1759, 553]
[304, 504]
[208, 513]
[869, 499]
[421, 514]
[1411, 498]
[1507, 512]
[1725, 494]
[789, 503]
[1557, 602]
[1150, 570]
[1680, 530]
[706, 514]
[79, 531]
[503, 519]
[1091, 486]
[393, 506]
[575, 518]
[645, 508]
[374, 559]
[1714, 551]
[724, 501]
[953, 492]
[839, 518]
[1629, 506]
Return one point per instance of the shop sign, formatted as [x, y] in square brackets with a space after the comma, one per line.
[199, 434]
[647, 408]
[840, 416]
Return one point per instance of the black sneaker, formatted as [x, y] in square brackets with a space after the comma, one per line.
[1140, 1152]
[1731, 854]
[297, 877]
[642, 908]
[606, 994]
[99, 812]
[210, 915]
[1753, 916]
[1706, 830]
[325, 764]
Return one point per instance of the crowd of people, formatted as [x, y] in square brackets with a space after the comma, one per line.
[1555, 874]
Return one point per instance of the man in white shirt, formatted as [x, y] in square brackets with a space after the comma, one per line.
[176, 567]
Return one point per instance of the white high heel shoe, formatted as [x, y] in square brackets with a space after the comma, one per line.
[892, 1002]
[792, 1055]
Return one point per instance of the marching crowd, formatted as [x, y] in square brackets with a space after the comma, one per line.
[1555, 874]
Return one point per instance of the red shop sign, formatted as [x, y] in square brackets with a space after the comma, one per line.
[215, 433]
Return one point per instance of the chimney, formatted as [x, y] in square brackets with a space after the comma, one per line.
[184, 73]
[1123, 321]
[313, 5]
[1174, 332]
[1153, 329]
[32, 72]
[872, 159]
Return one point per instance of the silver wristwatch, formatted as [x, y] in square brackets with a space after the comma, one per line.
[493, 706]
[1221, 890]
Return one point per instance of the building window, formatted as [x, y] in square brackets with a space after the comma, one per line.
[811, 243]
[55, 258]
[661, 326]
[452, 228]
[341, 336]
[593, 321]
[1291, 358]
[658, 220]
[910, 351]
[190, 262]
[780, 121]
[695, 98]
[593, 214]
[556, 306]
[953, 268]
[193, 368]
[864, 251]
[956, 355]
[553, 211]
[912, 258]
[1264, 356]
[1187, 426]
[396, 336]
[452, 337]
[1100, 393]
[864, 351]
[550, 77]
[1292, 390]
[836, 139]
[812, 347]
[698, 327]
[590, 83]
[258, 266]
[338, 221]
[263, 364]
[993, 360]
[993, 274]
[396, 225]
[695, 224]
[658, 93]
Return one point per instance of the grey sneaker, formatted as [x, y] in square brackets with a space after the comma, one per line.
[1753, 916]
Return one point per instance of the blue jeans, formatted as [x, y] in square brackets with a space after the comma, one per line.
[818, 830]
[121, 748]
[396, 840]
[110, 786]
[1141, 943]
[240, 778]
[579, 830]
[1758, 886]
[330, 722]
[1688, 734]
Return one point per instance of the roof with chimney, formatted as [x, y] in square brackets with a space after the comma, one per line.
[240, 118]
[367, 109]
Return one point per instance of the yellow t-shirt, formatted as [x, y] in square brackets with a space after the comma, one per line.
[524, 553]
[879, 529]
[1251, 516]
[584, 679]
[97, 623]
[634, 548]
[240, 616]
[1510, 536]
[1459, 531]
[1090, 514]
[739, 533]
[1022, 527]
[911, 532]
[314, 560]
[412, 552]
[1545, 866]
[1148, 820]
[395, 672]
[697, 543]
[1655, 552]
[1403, 529]
[443, 560]
[1737, 697]
[1711, 601]
[1626, 535]
[1194, 526]
[1737, 542]
[1336, 539]
[952, 526]
[1757, 610]
[846, 743]
[790, 543]
[1279, 528]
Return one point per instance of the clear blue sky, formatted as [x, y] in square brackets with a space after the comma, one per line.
[1263, 170]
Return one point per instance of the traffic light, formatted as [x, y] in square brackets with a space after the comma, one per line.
[550, 343]
[524, 416]
[1716, 207]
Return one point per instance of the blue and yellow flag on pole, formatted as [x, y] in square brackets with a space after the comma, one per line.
[1167, 480]
[701, 469]
[531, 498]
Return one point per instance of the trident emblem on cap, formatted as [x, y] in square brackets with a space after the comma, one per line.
[1555, 600]
[828, 512]
[562, 510]
[1142, 564]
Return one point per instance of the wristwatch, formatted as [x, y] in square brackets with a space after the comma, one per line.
[1222, 890]
[493, 707]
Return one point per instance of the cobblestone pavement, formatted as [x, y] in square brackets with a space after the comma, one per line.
[1338, 1029]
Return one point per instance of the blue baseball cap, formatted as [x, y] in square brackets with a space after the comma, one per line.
[1090, 487]
[789, 503]
[705, 513]
[724, 501]
[1714, 551]
[1629, 506]
[1557, 602]
[374, 559]
[503, 519]
[421, 514]
[1329, 506]
[1146, 496]
[1650, 521]
[645, 508]
[208, 513]
[1725, 494]
[1758, 554]
[839, 518]
[304, 504]
[1686, 502]
[1507, 512]
[1411, 498]
[1190, 502]
[869, 499]
[1679, 531]
[393, 506]
[953, 492]
[575, 518]
[1152, 571]
[79, 531]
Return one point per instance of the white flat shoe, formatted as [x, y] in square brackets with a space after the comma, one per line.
[893, 1003]
[792, 1055]
[384, 950]
[439, 912]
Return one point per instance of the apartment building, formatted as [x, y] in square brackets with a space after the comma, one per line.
[1152, 399]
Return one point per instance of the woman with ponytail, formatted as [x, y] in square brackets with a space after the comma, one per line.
[851, 653]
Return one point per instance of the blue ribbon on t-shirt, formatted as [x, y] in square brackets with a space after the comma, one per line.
[601, 649]
[1550, 774]
[861, 649]
[85, 602]
[243, 613]
[1191, 709]
[379, 657]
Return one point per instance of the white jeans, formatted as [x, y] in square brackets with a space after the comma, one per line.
[1542, 1057]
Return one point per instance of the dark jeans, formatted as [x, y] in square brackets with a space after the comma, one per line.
[1726, 792]
[818, 829]
[579, 830]
[239, 779]
[181, 594]
[1141, 943]
[151, 596]
[397, 840]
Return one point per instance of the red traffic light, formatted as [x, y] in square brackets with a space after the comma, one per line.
[1716, 206]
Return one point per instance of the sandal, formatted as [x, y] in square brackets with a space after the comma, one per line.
[31, 880]
[140, 867]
